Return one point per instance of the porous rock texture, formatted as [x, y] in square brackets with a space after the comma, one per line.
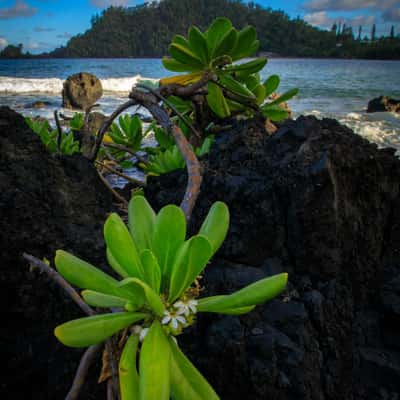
[81, 91]
[323, 204]
[46, 203]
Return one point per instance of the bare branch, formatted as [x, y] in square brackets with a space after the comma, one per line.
[150, 101]
[56, 277]
[82, 371]
[112, 190]
[186, 91]
[59, 129]
[122, 175]
[127, 150]
[174, 109]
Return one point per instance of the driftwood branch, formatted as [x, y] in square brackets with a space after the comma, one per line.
[150, 101]
[56, 277]
[82, 371]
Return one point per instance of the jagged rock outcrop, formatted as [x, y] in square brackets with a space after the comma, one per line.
[46, 203]
[81, 91]
[382, 104]
[322, 203]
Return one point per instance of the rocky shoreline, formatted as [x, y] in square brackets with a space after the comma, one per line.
[314, 200]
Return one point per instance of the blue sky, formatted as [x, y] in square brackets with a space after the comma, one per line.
[42, 25]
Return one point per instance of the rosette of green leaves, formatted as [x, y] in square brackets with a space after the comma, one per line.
[128, 132]
[169, 158]
[49, 137]
[157, 266]
[215, 51]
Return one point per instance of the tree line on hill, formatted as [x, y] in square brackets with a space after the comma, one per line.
[146, 31]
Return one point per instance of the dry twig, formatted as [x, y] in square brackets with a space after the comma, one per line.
[86, 361]
[56, 277]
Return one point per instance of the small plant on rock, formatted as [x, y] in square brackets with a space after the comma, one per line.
[156, 298]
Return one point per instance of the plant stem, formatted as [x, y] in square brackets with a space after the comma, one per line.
[56, 277]
[82, 371]
[112, 190]
[122, 175]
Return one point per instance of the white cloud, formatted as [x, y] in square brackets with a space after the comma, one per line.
[19, 9]
[349, 5]
[3, 43]
[108, 3]
[323, 20]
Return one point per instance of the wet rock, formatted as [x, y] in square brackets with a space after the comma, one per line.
[81, 91]
[382, 104]
[38, 104]
[45, 205]
[322, 203]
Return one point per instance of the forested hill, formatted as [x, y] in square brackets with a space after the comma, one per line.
[146, 31]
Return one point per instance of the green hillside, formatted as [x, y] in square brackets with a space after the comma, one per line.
[146, 31]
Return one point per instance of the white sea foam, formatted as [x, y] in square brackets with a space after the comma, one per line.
[381, 128]
[54, 85]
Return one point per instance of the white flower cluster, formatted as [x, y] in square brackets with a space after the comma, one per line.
[183, 309]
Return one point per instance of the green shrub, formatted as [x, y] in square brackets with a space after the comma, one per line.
[156, 298]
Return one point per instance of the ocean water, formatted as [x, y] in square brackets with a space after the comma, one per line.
[338, 89]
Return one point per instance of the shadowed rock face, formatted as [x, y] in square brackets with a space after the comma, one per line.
[314, 200]
[81, 91]
[323, 204]
[46, 203]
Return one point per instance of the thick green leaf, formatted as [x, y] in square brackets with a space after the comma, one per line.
[128, 375]
[84, 275]
[271, 84]
[235, 87]
[175, 66]
[152, 271]
[154, 365]
[182, 41]
[226, 44]
[169, 234]
[248, 68]
[185, 56]
[285, 97]
[216, 32]
[163, 139]
[259, 92]
[97, 299]
[189, 263]
[217, 101]
[274, 113]
[215, 226]
[87, 331]
[141, 222]
[254, 294]
[121, 245]
[153, 299]
[198, 44]
[209, 301]
[187, 383]
[246, 37]
[115, 265]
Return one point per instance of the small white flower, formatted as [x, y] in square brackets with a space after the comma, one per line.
[173, 319]
[186, 307]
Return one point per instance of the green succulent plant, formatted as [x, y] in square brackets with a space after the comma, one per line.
[236, 86]
[156, 297]
[128, 132]
[48, 136]
[169, 158]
